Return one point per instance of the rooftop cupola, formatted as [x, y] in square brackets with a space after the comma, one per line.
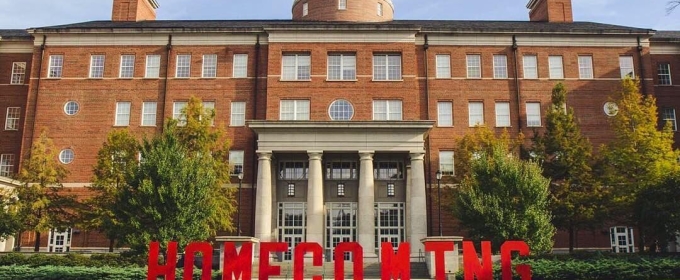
[343, 10]
[134, 10]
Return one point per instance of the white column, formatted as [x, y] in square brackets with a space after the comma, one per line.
[263, 209]
[315, 222]
[418, 208]
[9, 246]
[3, 244]
[366, 209]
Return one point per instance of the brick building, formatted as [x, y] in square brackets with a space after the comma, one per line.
[339, 119]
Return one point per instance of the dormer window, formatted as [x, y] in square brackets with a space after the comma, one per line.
[380, 9]
[305, 9]
[342, 4]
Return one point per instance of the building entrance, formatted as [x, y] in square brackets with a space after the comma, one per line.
[389, 224]
[291, 224]
[341, 226]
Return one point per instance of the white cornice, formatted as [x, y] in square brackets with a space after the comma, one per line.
[341, 37]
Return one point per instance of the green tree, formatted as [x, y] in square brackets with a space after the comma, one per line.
[116, 162]
[482, 140]
[658, 209]
[40, 206]
[9, 220]
[565, 155]
[505, 198]
[640, 155]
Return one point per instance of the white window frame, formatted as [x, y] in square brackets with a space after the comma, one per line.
[533, 110]
[502, 111]
[149, 118]
[445, 114]
[236, 161]
[627, 66]
[473, 64]
[67, 156]
[443, 65]
[123, 109]
[183, 63]
[305, 9]
[12, 118]
[298, 72]
[530, 67]
[153, 66]
[240, 65]
[342, 4]
[475, 118]
[7, 165]
[97, 66]
[348, 62]
[209, 69]
[177, 113]
[18, 73]
[500, 66]
[585, 67]
[393, 110]
[300, 109]
[56, 66]
[210, 105]
[668, 114]
[238, 114]
[660, 74]
[447, 163]
[127, 66]
[380, 9]
[556, 69]
[395, 75]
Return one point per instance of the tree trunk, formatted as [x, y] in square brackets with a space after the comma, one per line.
[36, 246]
[641, 241]
[16, 247]
[571, 239]
[111, 243]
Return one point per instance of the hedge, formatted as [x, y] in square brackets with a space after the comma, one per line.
[82, 273]
[95, 260]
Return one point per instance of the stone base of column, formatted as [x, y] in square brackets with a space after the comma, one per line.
[451, 259]
[238, 241]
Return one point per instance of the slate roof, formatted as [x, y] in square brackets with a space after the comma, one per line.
[453, 26]
[15, 34]
[667, 36]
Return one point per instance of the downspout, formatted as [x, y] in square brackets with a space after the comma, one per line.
[641, 65]
[37, 92]
[426, 46]
[517, 86]
[253, 173]
[167, 75]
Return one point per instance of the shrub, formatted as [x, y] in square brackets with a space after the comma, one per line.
[82, 273]
[69, 260]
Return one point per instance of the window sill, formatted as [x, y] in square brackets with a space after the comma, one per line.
[151, 78]
[503, 127]
[506, 78]
[53, 78]
[17, 84]
[120, 126]
[91, 78]
[445, 126]
[531, 126]
[182, 78]
[239, 78]
[147, 126]
[663, 85]
[243, 125]
[308, 80]
[208, 78]
[333, 81]
[387, 81]
[126, 78]
[474, 78]
[442, 78]
[11, 129]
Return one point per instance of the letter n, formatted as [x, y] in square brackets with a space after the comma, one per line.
[394, 268]
[471, 263]
[168, 270]
[239, 265]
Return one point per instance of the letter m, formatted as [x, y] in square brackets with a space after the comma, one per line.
[237, 265]
[395, 265]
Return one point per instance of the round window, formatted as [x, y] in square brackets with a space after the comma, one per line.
[71, 108]
[66, 156]
[341, 110]
[611, 109]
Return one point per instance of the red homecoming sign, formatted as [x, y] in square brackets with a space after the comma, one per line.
[394, 265]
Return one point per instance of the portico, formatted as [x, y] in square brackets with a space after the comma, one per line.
[332, 182]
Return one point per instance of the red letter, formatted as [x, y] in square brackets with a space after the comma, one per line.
[506, 260]
[206, 250]
[358, 259]
[240, 265]
[393, 269]
[167, 270]
[471, 262]
[439, 248]
[266, 248]
[299, 259]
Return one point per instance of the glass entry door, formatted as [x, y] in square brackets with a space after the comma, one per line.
[291, 224]
[341, 226]
[389, 224]
[59, 241]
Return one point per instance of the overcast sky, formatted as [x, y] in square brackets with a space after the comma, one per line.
[634, 13]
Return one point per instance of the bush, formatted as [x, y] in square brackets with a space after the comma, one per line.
[69, 260]
[82, 273]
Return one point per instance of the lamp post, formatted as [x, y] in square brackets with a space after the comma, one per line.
[238, 211]
[439, 200]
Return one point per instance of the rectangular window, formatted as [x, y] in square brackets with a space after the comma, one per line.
[388, 170]
[342, 67]
[209, 66]
[293, 170]
[446, 163]
[97, 66]
[178, 112]
[236, 162]
[669, 116]
[341, 170]
[240, 66]
[443, 62]
[149, 113]
[585, 67]
[476, 113]
[183, 69]
[238, 114]
[153, 66]
[664, 73]
[474, 66]
[500, 66]
[342, 4]
[294, 110]
[387, 67]
[502, 114]
[445, 113]
[18, 73]
[296, 67]
[208, 107]
[305, 9]
[122, 114]
[6, 165]
[533, 114]
[555, 65]
[387, 110]
[56, 65]
[12, 118]
[627, 67]
[380, 9]
[127, 66]
[530, 67]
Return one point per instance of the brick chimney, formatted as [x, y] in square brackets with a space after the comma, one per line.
[550, 10]
[134, 10]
